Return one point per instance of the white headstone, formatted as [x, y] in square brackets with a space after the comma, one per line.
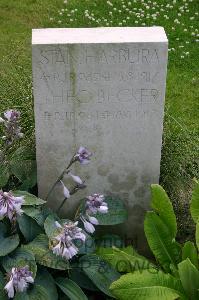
[102, 88]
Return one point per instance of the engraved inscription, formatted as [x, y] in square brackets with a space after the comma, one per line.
[123, 55]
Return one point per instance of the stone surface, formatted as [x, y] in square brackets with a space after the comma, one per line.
[102, 88]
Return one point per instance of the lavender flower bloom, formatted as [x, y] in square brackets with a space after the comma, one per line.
[95, 203]
[10, 206]
[83, 155]
[12, 115]
[76, 179]
[12, 128]
[18, 281]
[64, 240]
[65, 190]
[87, 225]
[93, 220]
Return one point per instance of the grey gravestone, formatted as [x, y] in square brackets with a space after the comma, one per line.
[102, 88]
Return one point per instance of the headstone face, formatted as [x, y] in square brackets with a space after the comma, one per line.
[102, 88]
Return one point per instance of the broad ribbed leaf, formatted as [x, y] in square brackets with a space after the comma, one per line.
[45, 279]
[117, 212]
[37, 213]
[50, 227]
[197, 235]
[44, 256]
[25, 171]
[194, 208]
[71, 289]
[110, 240]
[29, 198]
[36, 292]
[29, 227]
[7, 243]
[147, 286]
[3, 295]
[23, 166]
[79, 277]
[189, 277]
[161, 204]
[159, 239]
[125, 260]
[4, 174]
[20, 258]
[99, 271]
[189, 251]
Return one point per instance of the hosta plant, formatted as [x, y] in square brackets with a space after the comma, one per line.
[43, 256]
[175, 275]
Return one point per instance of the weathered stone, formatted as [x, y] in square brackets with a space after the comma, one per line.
[102, 88]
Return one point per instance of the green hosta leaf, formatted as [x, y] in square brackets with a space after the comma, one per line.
[2, 281]
[23, 166]
[71, 289]
[20, 258]
[4, 174]
[25, 171]
[147, 286]
[194, 208]
[29, 198]
[87, 247]
[189, 277]
[161, 204]
[36, 292]
[125, 260]
[99, 271]
[189, 251]
[77, 275]
[197, 235]
[45, 279]
[3, 295]
[50, 227]
[44, 256]
[7, 243]
[109, 240]
[36, 213]
[159, 239]
[117, 212]
[29, 227]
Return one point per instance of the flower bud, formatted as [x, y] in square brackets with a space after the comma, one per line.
[77, 179]
[65, 190]
[93, 220]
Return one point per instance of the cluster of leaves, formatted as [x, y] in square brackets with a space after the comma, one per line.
[176, 274]
[19, 168]
[29, 244]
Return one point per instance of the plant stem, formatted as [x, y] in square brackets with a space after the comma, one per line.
[61, 205]
[60, 177]
[73, 191]
[53, 186]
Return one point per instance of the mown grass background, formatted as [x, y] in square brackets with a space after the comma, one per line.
[180, 160]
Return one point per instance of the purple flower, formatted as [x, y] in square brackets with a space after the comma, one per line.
[10, 206]
[12, 128]
[64, 240]
[83, 155]
[95, 203]
[87, 225]
[12, 115]
[65, 190]
[93, 220]
[76, 179]
[18, 280]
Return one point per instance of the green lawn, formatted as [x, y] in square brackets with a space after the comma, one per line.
[180, 159]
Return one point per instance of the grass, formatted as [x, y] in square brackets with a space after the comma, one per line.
[180, 159]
